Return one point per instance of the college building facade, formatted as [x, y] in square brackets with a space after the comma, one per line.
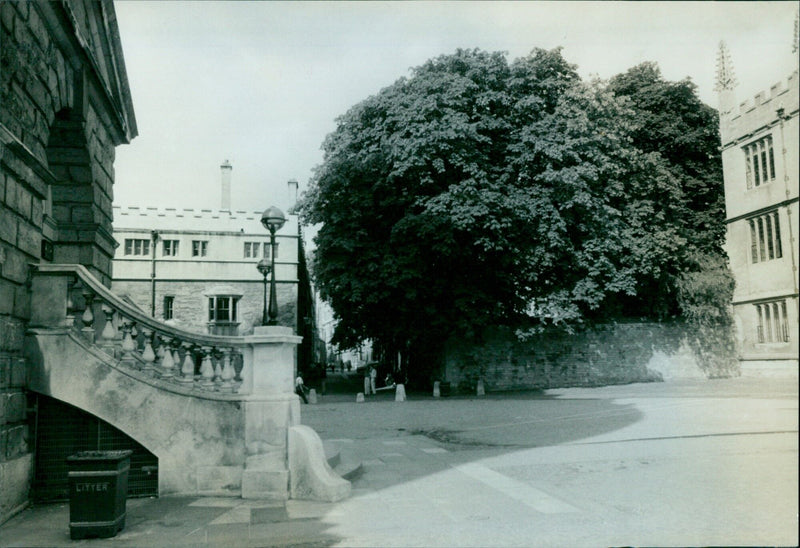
[197, 269]
[760, 160]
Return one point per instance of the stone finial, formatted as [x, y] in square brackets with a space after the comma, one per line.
[726, 79]
[796, 37]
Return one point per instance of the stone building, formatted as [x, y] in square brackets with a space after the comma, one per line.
[760, 166]
[197, 268]
[64, 107]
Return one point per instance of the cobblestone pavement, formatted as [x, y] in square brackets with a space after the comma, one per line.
[678, 463]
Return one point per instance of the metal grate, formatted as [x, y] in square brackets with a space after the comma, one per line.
[62, 430]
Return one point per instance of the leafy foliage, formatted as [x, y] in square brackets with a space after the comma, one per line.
[705, 294]
[672, 121]
[479, 192]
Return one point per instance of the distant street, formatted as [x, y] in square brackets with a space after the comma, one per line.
[679, 463]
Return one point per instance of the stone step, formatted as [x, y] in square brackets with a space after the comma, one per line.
[345, 466]
[332, 454]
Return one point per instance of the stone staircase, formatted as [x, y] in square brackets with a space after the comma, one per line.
[219, 413]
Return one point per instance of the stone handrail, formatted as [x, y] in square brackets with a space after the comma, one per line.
[68, 296]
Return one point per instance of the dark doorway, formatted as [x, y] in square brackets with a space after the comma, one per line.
[62, 430]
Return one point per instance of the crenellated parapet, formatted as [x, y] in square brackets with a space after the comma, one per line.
[760, 111]
[174, 219]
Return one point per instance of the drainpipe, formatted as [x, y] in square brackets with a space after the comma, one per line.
[154, 238]
[782, 117]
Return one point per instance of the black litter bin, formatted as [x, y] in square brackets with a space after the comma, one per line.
[98, 490]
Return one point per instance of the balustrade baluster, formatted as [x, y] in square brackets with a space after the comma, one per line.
[237, 360]
[167, 369]
[176, 357]
[159, 347]
[109, 335]
[88, 316]
[187, 370]
[226, 374]
[217, 369]
[148, 355]
[116, 322]
[127, 343]
[135, 337]
[207, 368]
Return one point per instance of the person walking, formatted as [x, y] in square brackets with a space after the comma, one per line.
[373, 374]
[300, 388]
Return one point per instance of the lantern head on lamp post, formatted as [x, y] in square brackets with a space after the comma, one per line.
[272, 219]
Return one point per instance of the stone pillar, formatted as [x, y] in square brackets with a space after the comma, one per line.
[270, 410]
[49, 301]
[273, 354]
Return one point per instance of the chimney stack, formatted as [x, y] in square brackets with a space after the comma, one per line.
[293, 185]
[226, 168]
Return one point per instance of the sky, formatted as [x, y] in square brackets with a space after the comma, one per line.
[261, 83]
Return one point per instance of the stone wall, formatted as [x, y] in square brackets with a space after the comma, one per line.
[24, 105]
[60, 120]
[610, 354]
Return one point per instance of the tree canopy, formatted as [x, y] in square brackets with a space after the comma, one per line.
[479, 192]
[672, 121]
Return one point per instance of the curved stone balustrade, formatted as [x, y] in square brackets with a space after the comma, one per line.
[68, 296]
[215, 410]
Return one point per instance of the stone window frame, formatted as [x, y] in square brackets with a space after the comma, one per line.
[251, 250]
[765, 237]
[223, 308]
[268, 250]
[773, 322]
[199, 248]
[169, 307]
[137, 247]
[170, 248]
[759, 158]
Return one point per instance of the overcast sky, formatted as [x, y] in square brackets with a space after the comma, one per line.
[261, 83]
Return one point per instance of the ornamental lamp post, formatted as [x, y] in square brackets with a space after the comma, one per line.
[265, 268]
[272, 219]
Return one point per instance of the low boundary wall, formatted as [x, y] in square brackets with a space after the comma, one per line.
[618, 353]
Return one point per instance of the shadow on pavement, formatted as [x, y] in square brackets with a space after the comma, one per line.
[398, 442]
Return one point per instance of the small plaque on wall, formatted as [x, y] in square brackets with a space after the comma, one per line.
[47, 250]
